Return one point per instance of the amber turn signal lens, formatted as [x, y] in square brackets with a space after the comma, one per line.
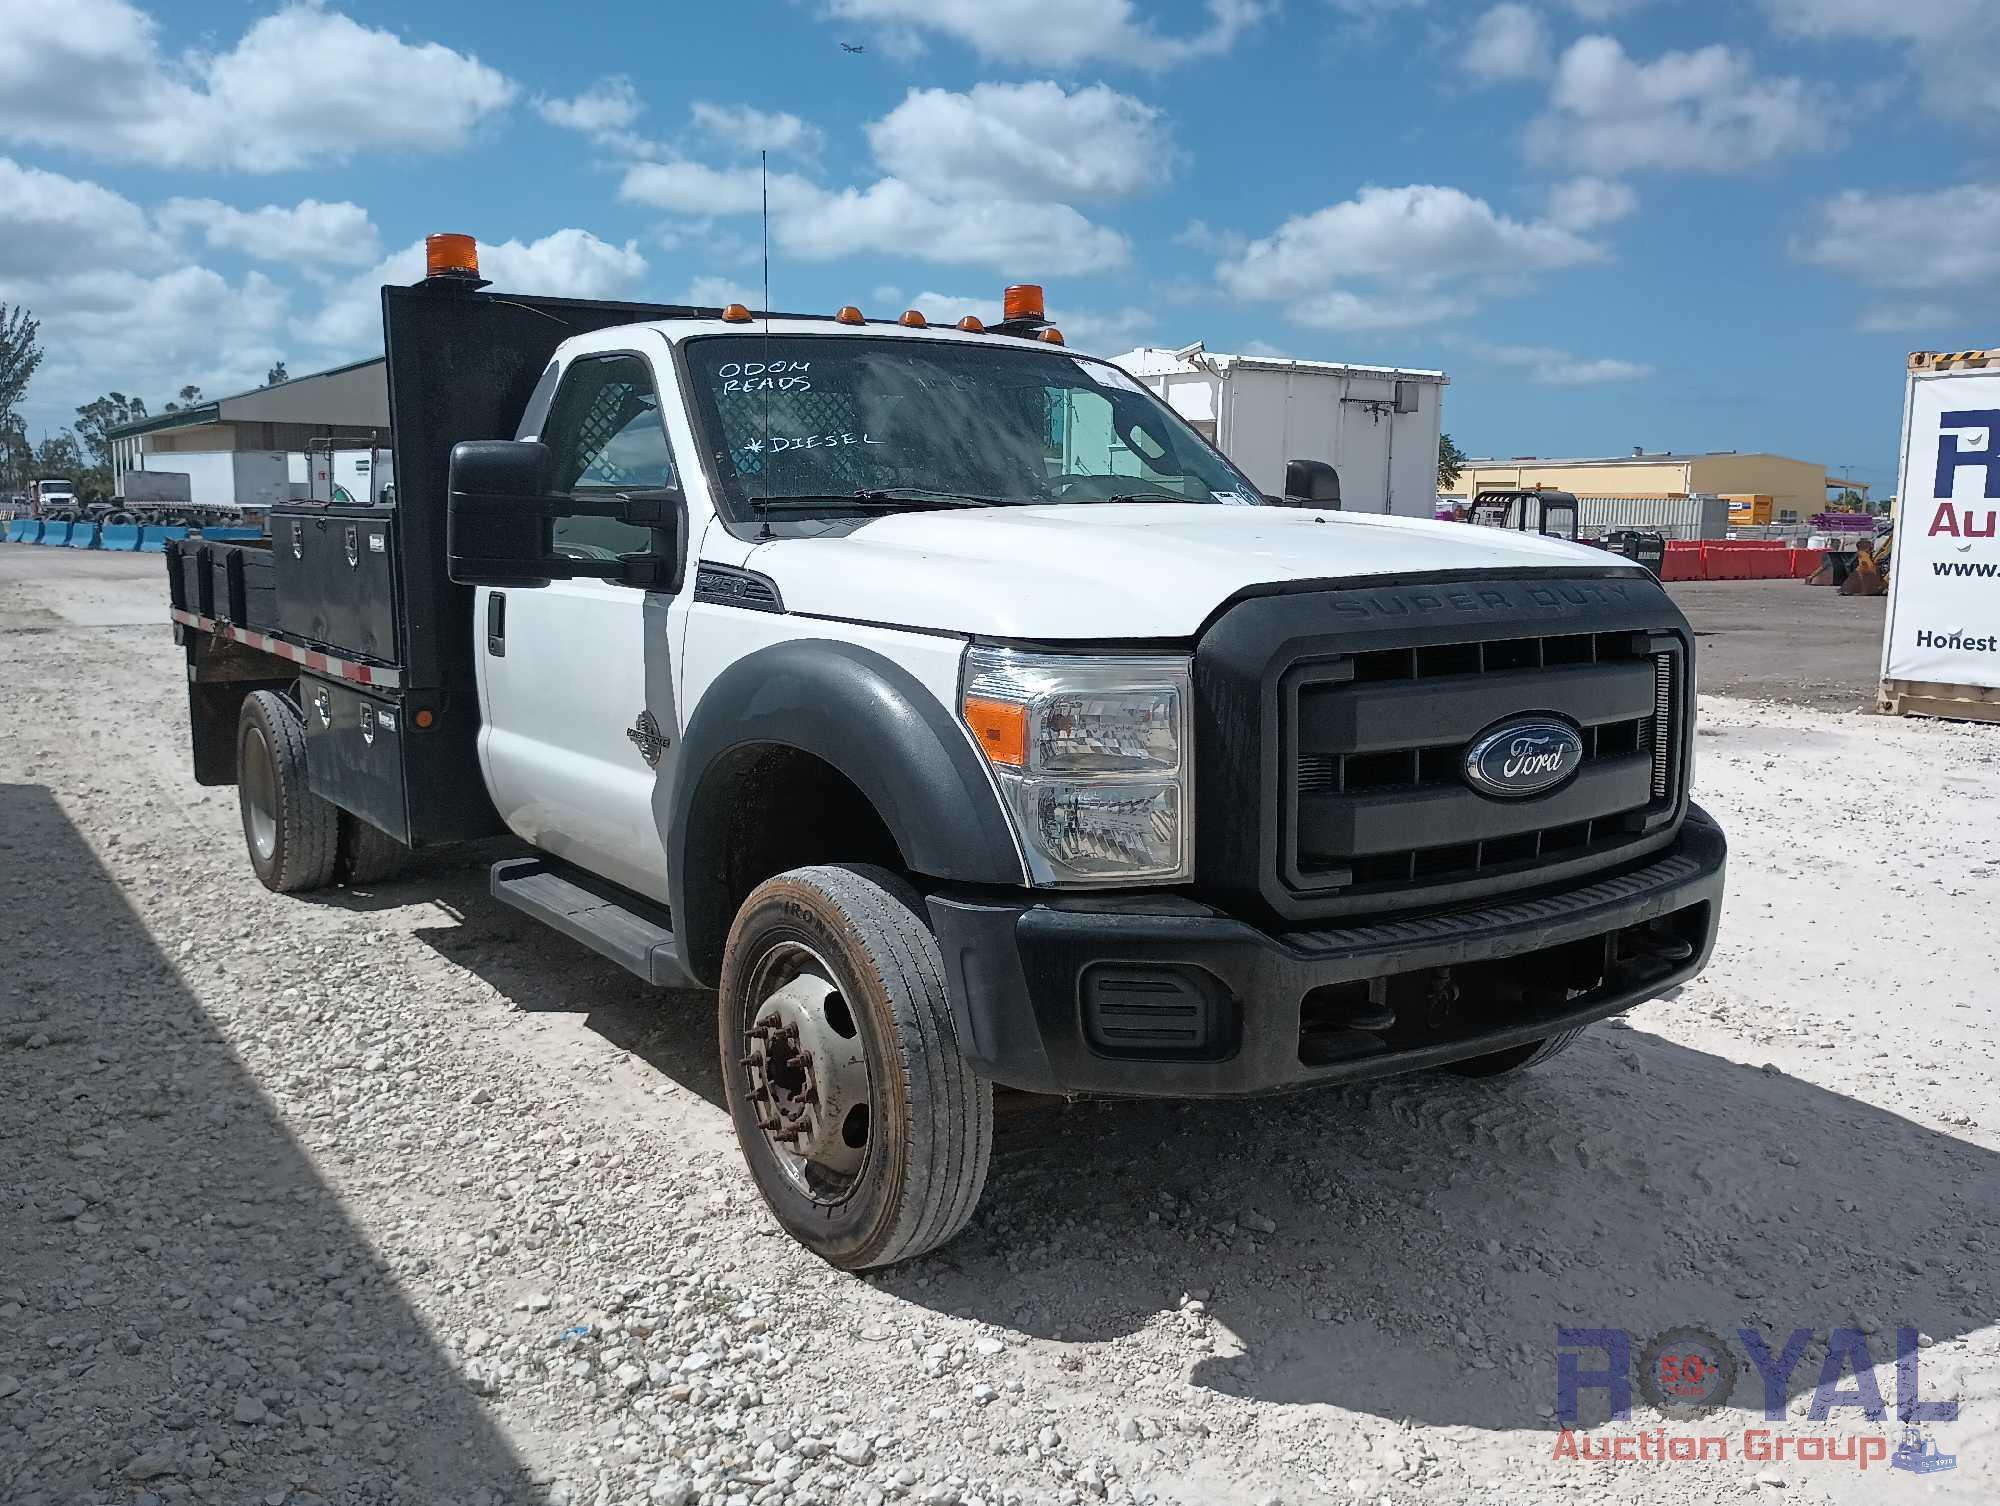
[736, 313]
[847, 313]
[425, 717]
[1052, 335]
[972, 325]
[1001, 728]
[913, 319]
[451, 255]
[1022, 301]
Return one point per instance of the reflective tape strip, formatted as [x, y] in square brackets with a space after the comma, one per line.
[311, 658]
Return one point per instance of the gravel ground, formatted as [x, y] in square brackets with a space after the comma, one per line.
[1782, 640]
[390, 1196]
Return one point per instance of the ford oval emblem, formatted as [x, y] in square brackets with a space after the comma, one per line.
[1521, 758]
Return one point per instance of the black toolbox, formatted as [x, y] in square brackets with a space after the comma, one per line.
[336, 581]
[188, 585]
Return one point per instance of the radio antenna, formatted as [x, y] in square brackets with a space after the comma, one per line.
[764, 168]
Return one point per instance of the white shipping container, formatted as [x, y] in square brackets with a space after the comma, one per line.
[1697, 517]
[1941, 647]
[228, 478]
[1378, 426]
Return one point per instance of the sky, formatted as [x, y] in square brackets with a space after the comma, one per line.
[1682, 224]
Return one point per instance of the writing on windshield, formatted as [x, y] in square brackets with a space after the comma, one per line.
[804, 416]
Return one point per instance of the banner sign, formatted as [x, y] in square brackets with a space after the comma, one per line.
[1944, 608]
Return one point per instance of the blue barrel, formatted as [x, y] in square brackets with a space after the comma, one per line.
[83, 536]
[56, 533]
[118, 536]
[154, 540]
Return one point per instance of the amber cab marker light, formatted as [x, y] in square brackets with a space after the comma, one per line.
[451, 256]
[847, 313]
[913, 318]
[1022, 301]
[1052, 335]
[736, 313]
[972, 325]
[1001, 728]
[425, 717]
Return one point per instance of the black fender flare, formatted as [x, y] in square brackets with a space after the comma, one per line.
[871, 720]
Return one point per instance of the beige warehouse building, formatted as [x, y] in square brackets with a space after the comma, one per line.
[1797, 488]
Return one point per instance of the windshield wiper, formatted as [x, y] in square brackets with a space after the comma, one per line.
[884, 497]
[1146, 497]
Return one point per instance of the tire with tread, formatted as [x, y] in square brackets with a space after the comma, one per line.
[931, 1135]
[366, 854]
[306, 828]
[1516, 1058]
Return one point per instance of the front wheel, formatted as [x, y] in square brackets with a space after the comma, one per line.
[1515, 1058]
[865, 1130]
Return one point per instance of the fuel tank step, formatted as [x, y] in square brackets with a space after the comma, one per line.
[631, 930]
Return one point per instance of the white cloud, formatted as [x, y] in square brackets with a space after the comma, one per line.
[1550, 367]
[148, 335]
[751, 130]
[892, 217]
[1058, 33]
[310, 231]
[1025, 141]
[57, 225]
[718, 292]
[1937, 243]
[1509, 42]
[1704, 111]
[301, 86]
[1421, 253]
[1953, 45]
[1587, 203]
[568, 263]
[609, 106]
[695, 189]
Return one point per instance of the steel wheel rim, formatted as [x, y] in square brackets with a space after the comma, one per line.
[808, 1085]
[259, 782]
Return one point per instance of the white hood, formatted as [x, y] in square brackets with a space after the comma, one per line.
[1124, 570]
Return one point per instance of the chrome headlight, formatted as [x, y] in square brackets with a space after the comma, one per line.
[1093, 757]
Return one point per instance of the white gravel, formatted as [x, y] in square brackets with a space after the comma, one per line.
[392, 1196]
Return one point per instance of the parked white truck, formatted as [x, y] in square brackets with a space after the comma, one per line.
[826, 663]
[1377, 425]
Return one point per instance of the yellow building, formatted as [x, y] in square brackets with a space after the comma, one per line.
[1796, 488]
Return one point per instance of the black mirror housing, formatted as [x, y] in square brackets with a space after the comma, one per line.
[1311, 483]
[500, 524]
[498, 527]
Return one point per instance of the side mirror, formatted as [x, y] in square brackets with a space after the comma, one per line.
[1311, 483]
[499, 530]
[500, 522]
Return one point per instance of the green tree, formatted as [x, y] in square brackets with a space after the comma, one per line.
[96, 420]
[60, 455]
[276, 375]
[20, 354]
[188, 397]
[1451, 463]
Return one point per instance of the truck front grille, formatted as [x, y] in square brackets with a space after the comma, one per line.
[1376, 811]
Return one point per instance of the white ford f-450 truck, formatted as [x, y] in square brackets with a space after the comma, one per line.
[957, 714]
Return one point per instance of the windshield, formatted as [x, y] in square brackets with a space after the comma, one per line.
[820, 421]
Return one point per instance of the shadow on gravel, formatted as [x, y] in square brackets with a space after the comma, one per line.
[540, 971]
[196, 1319]
[1432, 1233]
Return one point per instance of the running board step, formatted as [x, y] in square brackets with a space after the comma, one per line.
[633, 932]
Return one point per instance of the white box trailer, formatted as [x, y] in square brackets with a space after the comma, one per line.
[155, 488]
[1377, 426]
[1941, 648]
[225, 478]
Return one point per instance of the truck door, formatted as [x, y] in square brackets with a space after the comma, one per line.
[572, 742]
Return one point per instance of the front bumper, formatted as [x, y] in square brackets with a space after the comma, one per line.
[1148, 996]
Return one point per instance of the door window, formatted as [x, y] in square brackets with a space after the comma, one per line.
[605, 433]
